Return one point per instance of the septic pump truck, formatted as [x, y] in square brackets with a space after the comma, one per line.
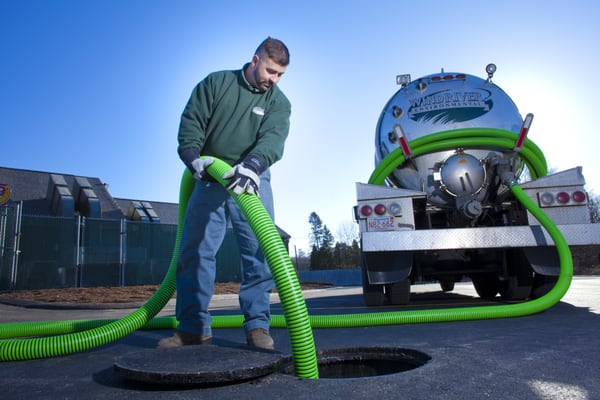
[438, 206]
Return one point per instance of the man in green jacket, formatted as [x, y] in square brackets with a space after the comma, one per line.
[242, 118]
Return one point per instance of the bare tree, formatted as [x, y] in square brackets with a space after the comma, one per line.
[594, 207]
[347, 232]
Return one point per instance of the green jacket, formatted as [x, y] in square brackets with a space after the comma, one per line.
[227, 118]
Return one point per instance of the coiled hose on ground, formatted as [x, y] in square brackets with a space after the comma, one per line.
[99, 332]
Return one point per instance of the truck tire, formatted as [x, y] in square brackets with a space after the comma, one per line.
[542, 284]
[512, 290]
[486, 285]
[373, 295]
[398, 293]
[447, 286]
[519, 282]
[373, 298]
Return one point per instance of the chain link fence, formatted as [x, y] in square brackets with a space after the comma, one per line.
[53, 252]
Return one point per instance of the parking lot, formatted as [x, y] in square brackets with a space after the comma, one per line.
[549, 355]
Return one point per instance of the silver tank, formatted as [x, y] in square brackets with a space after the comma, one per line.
[458, 178]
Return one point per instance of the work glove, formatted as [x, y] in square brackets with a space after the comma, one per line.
[245, 176]
[200, 165]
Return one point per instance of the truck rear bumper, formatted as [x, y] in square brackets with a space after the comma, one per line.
[471, 238]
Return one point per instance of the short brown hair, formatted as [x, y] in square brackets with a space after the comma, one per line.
[275, 50]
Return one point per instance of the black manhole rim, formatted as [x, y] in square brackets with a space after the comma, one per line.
[363, 362]
[211, 365]
[201, 365]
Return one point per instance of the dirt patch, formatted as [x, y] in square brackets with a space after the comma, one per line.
[118, 294]
[586, 261]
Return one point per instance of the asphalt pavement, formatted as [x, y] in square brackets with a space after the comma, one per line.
[548, 355]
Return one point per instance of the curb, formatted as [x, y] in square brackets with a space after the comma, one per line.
[67, 306]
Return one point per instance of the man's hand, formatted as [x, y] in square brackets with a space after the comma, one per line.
[245, 176]
[200, 165]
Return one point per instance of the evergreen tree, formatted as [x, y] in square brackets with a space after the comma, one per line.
[328, 239]
[326, 253]
[316, 230]
[322, 241]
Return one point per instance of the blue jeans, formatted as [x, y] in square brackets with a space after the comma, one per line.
[209, 208]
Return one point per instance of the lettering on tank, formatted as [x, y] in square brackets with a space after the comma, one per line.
[450, 106]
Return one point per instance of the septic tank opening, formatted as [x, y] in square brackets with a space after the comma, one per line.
[364, 362]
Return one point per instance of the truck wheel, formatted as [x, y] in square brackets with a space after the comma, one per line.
[511, 290]
[520, 276]
[486, 285]
[373, 295]
[447, 286]
[374, 299]
[542, 284]
[399, 292]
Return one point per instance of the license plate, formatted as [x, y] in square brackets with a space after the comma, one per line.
[380, 224]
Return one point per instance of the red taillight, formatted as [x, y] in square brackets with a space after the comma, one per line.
[380, 209]
[579, 196]
[563, 197]
[366, 210]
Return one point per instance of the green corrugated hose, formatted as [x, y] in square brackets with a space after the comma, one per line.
[94, 335]
[475, 137]
[84, 335]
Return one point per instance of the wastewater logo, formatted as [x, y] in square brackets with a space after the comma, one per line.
[450, 106]
[4, 192]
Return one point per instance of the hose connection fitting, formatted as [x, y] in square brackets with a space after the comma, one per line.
[504, 169]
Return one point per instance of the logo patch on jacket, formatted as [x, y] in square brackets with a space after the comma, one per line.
[258, 111]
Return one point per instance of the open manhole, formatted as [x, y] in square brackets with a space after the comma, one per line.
[363, 362]
[210, 365]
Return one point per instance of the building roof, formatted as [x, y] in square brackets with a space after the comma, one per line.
[166, 212]
[58, 194]
[36, 189]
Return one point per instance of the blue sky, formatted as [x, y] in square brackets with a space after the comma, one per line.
[96, 88]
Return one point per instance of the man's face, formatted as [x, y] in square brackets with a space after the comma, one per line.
[266, 72]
